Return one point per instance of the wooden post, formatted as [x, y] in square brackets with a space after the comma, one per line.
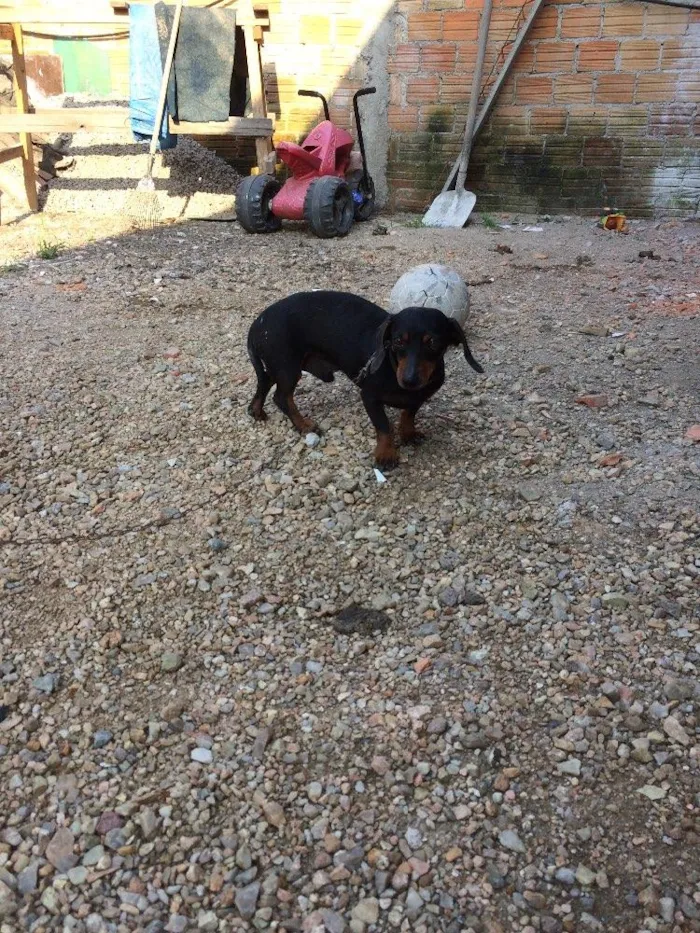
[263, 146]
[23, 107]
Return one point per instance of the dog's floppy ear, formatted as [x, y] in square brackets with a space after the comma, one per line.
[458, 337]
[383, 340]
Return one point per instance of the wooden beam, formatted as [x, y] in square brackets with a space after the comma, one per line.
[66, 120]
[38, 18]
[11, 152]
[234, 126]
[263, 146]
[22, 96]
[496, 87]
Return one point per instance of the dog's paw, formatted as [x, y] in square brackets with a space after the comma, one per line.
[385, 464]
[257, 414]
[414, 439]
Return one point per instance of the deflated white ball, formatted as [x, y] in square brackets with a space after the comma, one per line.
[432, 286]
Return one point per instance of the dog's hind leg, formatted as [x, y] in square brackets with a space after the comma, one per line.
[284, 399]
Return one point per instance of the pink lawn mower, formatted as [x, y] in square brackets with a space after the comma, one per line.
[326, 188]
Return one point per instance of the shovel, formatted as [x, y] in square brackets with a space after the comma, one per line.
[452, 208]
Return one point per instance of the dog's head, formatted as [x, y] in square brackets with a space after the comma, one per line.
[415, 340]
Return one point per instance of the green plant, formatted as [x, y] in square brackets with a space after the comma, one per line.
[488, 222]
[47, 249]
[414, 222]
[10, 267]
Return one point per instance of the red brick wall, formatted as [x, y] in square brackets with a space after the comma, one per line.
[601, 106]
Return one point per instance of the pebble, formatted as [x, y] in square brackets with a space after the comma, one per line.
[204, 756]
[366, 911]
[171, 661]
[509, 839]
[570, 766]
[247, 899]
[675, 731]
[47, 683]
[60, 850]
[101, 738]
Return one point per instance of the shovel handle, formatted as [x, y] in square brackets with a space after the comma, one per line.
[474, 99]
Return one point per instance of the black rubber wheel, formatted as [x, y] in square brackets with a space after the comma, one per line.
[253, 199]
[362, 195]
[328, 207]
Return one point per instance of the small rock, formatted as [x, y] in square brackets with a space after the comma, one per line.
[509, 839]
[202, 755]
[207, 921]
[171, 661]
[414, 837]
[148, 822]
[78, 875]
[247, 899]
[595, 330]
[101, 738]
[693, 433]
[274, 814]
[565, 876]
[667, 906]
[437, 726]
[614, 600]
[675, 731]
[312, 440]
[652, 792]
[27, 878]
[585, 876]
[651, 399]
[48, 683]
[314, 791]
[366, 911]
[593, 401]
[570, 766]
[60, 850]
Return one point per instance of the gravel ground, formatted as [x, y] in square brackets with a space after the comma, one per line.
[246, 687]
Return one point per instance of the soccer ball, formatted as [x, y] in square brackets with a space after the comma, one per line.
[431, 286]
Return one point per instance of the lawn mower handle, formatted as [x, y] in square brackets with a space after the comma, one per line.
[323, 99]
[361, 93]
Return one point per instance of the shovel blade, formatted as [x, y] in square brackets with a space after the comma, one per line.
[450, 209]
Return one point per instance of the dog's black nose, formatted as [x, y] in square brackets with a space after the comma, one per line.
[411, 382]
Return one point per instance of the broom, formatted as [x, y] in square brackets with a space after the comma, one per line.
[147, 207]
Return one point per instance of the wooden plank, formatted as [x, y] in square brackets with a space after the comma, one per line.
[496, 87]
[263, 147]
[37, 19]
[11, 152]
[66, 120]
[22, 96]
[234, 126]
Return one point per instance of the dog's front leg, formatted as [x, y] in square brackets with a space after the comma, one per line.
[385, 454]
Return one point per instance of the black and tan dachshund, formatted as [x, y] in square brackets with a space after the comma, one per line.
[394, 359]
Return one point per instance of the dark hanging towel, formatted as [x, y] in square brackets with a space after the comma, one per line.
[200, 83]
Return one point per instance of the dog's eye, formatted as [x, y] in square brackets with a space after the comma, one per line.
[431, 343]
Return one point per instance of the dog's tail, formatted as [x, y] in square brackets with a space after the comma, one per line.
[257, 362]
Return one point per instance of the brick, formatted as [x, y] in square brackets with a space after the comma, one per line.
[586, 121]
[524, 60]
[424, 26]
[655, 87]
[503, 26]
[627, 122]
[402, 119]
[623, 19]
[602, 151]
[453, 90]
[581, 22]
[460, 26]
[509, 120]
[404, 59]
[533, 90]
[640, 54]
[315, 30]
[546, 25]
[437, 121]
[548, 120]
[420, 90]
[348, 31]
[666, 21]
[615, 89]
[573, 88]
[671, 120]
[563, 149]
[440, 58]
[554, 56]
[688, 88]
[466, 58]
[599, 55]
[681, 54]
